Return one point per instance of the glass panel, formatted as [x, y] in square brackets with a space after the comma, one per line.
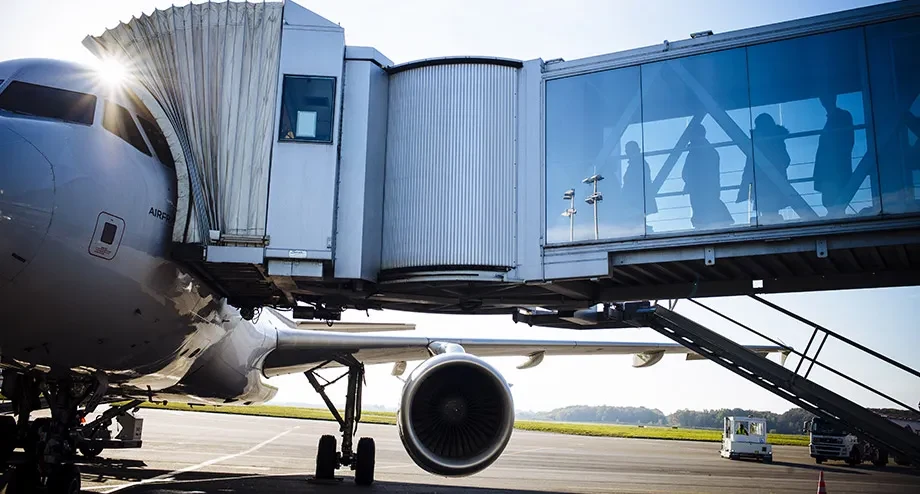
[756, 429]
[118, 121]
[812, 155]
[158, 141]
[696, 125]
[42, 101]
[307, 109]
[894, 68]
[594, 166]
[741, 427]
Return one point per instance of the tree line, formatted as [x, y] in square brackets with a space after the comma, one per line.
[788, 422]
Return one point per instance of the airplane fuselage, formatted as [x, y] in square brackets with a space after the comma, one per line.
[86, 280]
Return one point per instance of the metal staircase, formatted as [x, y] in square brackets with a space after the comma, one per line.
[781, 381]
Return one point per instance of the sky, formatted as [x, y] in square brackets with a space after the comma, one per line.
[883, 319]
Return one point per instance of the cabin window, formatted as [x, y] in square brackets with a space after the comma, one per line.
[118, 121]
[158, 141]
[48, 102]
[307, 109]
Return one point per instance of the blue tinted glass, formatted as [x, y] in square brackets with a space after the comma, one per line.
[594, 189]
[894, 67]
[696, 125]
[813, 155]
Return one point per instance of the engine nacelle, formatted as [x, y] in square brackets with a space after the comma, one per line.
[456, 414]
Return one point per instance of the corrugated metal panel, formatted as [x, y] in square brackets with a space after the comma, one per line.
[213, 70]
[449, 187]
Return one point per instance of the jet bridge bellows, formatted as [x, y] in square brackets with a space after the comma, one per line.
[779, 158]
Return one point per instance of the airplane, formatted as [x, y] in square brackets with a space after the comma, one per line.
[93, 310]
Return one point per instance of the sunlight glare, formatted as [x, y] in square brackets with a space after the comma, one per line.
[112, 72]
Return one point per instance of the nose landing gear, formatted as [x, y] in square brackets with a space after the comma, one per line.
[327, 458]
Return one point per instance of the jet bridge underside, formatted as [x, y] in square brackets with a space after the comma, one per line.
[870, 255]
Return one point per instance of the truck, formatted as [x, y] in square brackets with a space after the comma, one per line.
[829, 441]
[745, 437]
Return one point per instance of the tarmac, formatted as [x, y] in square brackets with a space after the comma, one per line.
[194, 452]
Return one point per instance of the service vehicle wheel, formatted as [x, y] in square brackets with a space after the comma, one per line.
[854, 458]
[819, 460]
[366, 455]
[768, 459]
[89, 451]
[880, 458]
[326, 458]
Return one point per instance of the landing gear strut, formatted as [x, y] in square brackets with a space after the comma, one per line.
[327, 458]
[50, 444]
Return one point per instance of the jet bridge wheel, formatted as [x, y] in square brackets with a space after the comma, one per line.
[364, 463]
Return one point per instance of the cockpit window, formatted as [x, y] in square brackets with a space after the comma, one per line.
[49, 102]
[118, 121]
[157, 140]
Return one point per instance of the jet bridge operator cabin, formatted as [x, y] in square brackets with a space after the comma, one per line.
[780, 158]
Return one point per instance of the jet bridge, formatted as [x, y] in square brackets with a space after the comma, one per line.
[780, 158]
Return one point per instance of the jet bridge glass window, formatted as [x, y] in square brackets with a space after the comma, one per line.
[894, 71]
[696, 121]
[118, 121]
[307, 109]
[594, 169]
[813, 137]
[48, 102]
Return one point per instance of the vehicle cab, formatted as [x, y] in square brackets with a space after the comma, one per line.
[745, 437]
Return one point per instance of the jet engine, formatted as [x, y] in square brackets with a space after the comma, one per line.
[456, 413]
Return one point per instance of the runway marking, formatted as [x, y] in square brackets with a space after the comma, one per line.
[523, 451]
[167, 477]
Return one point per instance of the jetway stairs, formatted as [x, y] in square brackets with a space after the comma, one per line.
[793, 385]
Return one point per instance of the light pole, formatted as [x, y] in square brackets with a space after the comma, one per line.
[570, 212]
[594, 198]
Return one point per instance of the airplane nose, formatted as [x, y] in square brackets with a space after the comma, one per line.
[26, 202]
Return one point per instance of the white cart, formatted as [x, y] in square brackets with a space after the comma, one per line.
[745, 437]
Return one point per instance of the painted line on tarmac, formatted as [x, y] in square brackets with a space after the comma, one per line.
[167, 477]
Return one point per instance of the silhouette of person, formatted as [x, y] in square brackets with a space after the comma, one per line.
[772, 164]
[834, 158]
[637, 187]
[702, 181]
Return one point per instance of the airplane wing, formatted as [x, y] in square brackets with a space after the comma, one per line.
[299, 349]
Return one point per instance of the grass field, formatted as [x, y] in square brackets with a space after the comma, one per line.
[389, 418]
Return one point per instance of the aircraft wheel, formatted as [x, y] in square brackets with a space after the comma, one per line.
[7, 437]
[366, 456]
[326, 458]
[90, 451]
[64, 479]
[24, 479]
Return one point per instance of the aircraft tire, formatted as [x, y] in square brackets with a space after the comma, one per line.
[64, 479]
[326, 458]
[7, 437]
[366, 456]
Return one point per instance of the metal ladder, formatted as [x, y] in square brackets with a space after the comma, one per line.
[780, 380]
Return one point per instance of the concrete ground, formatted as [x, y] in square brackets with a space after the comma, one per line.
[186, 452]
